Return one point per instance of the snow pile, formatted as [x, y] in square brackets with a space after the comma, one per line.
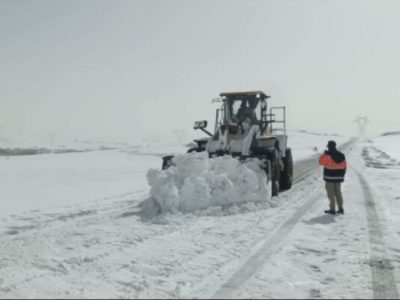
[196, 182]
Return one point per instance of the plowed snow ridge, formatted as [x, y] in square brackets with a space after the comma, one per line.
[197, 182]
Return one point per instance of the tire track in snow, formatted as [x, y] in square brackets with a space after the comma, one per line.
[303, 169]
[268, 248]
[383, 282]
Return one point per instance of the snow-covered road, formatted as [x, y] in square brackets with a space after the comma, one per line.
[329, 256]
[103, 249]
[120, 256]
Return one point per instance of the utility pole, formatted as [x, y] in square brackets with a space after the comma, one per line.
[362, 124]
[51, 135]
[179, 133]
[20, 131]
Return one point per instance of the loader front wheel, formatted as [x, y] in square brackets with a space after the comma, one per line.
[287, 174]
[276, 178]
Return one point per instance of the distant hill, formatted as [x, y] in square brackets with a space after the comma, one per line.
[318, 133]
[391, 133]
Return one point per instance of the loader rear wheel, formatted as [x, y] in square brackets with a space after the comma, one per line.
[287, 174]
[276, 178]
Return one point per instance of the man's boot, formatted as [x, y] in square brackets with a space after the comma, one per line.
[330, 211]
[340, 211]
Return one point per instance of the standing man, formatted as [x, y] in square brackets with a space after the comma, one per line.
[334, 163]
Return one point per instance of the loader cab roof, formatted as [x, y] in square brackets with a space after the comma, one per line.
[245, 95]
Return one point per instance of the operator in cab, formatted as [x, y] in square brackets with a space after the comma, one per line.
[246, 113]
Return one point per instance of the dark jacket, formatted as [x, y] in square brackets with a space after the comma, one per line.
[335, 165]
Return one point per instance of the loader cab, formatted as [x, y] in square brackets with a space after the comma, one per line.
[244, 106]
[242, 110]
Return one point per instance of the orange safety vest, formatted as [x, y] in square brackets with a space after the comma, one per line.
[327, 161]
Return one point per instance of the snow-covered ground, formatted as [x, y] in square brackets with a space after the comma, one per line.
[389, 144]
[307, 143]
[77, 231]
[34, 182]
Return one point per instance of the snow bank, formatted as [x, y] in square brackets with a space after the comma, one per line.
[197, 182]
[389, 143]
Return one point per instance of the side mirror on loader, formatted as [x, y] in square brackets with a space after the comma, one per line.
[200, 124]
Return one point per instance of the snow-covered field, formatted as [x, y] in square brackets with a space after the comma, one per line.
[34, 182]
[71, 227]
[55, 180]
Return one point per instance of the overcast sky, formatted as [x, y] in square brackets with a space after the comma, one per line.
[121, 69]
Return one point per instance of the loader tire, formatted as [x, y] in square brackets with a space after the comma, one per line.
[276, 177]
[287, 174]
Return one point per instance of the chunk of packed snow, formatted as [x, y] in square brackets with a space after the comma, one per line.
[197, 182]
